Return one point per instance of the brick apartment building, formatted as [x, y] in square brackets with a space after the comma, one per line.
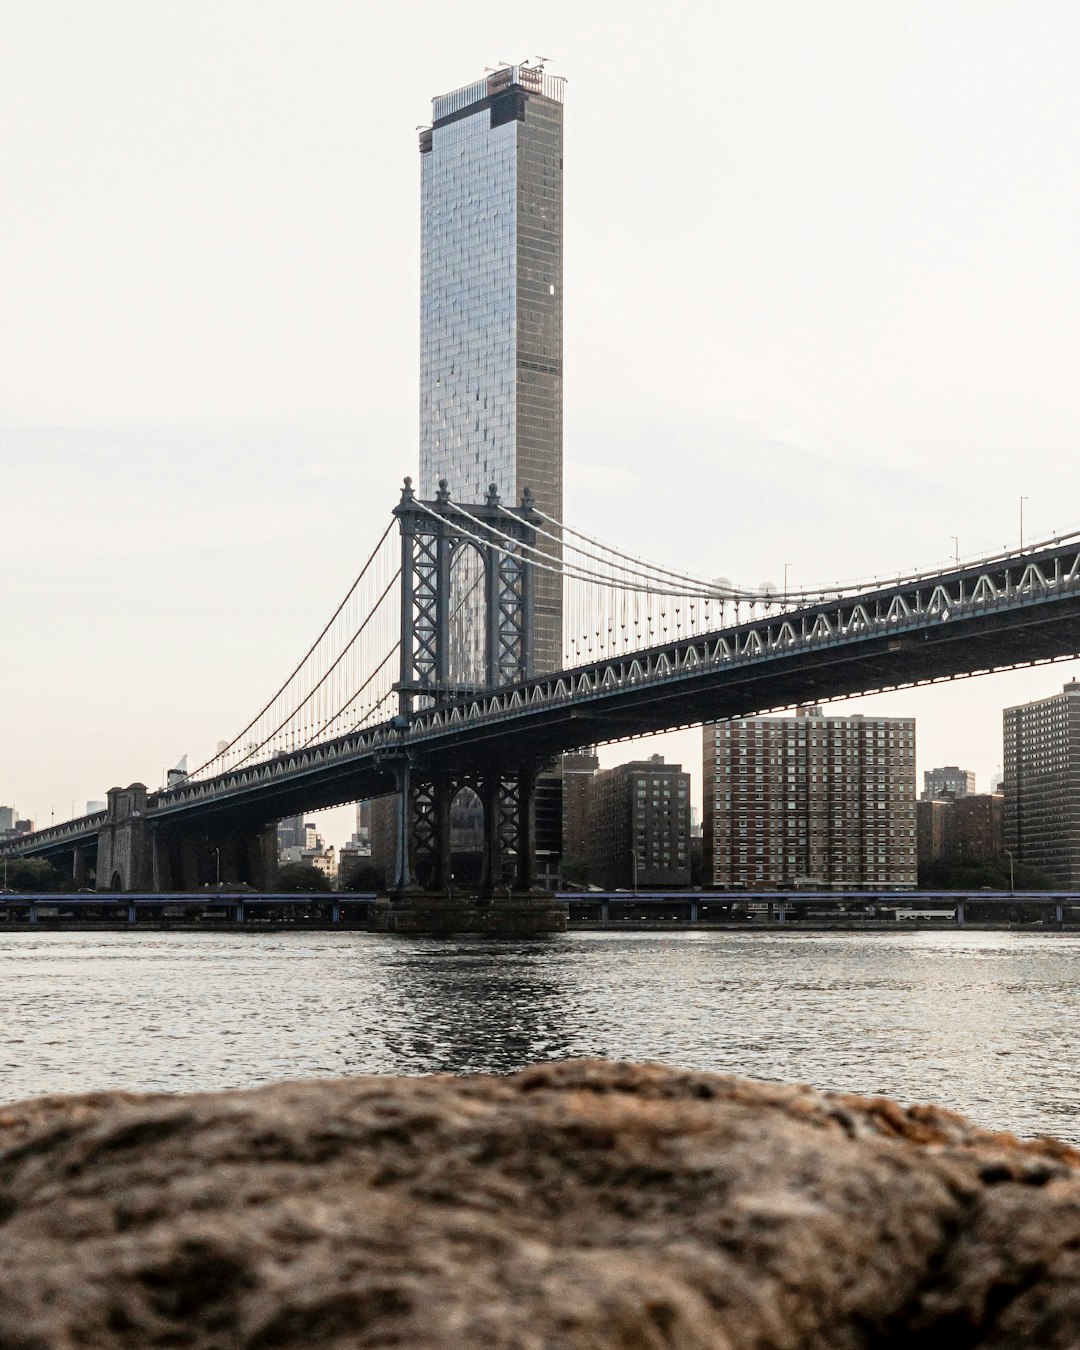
[810, 800]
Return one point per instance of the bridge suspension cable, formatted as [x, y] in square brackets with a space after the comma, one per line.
[613, 602]
[343, 680]
[804, 595]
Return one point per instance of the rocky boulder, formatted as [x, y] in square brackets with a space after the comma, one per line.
[582, 1204]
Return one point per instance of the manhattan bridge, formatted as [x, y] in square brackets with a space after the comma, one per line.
[423, 681]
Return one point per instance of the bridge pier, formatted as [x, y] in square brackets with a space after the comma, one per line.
[423, 897]
[134, 855]
[124, 861]
[80, 867]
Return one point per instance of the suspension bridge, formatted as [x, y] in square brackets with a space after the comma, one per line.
[433, 674]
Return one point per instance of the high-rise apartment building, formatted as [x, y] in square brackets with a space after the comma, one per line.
[491, 308]
[810, 800]
[639, 831]
[947, 781]
[1042, 784]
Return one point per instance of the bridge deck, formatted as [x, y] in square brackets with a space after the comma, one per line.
[1015, 611]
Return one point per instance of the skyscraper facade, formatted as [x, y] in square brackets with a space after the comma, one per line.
[810, 800]
[1042, 784]
[491, 305]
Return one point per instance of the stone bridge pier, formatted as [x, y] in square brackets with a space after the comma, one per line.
[135, 853]
[123, 858]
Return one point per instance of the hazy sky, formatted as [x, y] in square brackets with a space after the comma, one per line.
[822, 308]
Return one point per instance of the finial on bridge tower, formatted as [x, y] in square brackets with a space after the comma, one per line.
[528, 501]
[407, 493]
[492, 498]
[443, 494]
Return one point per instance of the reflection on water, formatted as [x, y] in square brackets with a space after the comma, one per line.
[988, 1023]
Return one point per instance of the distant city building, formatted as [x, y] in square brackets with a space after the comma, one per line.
[953, 829]
[932, 822]
[467, 838]
[12, 825]
[578, 770]
[980, 824]
[639, 826]
[354, 856]
[1042, 784]
[323, 857]
[298, 841]
[92, 808]
[948, 781]
[491, 352]
[549, 817]
[810, 800]
[291, 833]
[384, 828]
[491, 302]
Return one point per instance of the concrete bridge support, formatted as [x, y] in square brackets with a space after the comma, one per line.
[124, 861]
[134, 854]
[83, 865]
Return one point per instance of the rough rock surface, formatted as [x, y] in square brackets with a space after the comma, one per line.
[581, 1204]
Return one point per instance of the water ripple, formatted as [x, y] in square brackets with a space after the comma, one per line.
[987, 1023]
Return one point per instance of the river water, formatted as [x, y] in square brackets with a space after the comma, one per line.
[986, 1023]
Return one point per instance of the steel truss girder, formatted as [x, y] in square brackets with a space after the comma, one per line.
[423, 846]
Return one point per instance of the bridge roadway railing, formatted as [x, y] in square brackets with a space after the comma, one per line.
[68, 831]
[1012, 583]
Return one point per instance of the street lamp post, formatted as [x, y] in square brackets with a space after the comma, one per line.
[956, 547]
[1012, 873]
[634, 861]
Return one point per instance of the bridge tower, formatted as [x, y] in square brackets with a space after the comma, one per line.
[467, 627]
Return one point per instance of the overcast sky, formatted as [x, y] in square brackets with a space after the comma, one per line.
[822, 309]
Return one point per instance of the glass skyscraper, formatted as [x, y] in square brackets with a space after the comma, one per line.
[491, 313]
